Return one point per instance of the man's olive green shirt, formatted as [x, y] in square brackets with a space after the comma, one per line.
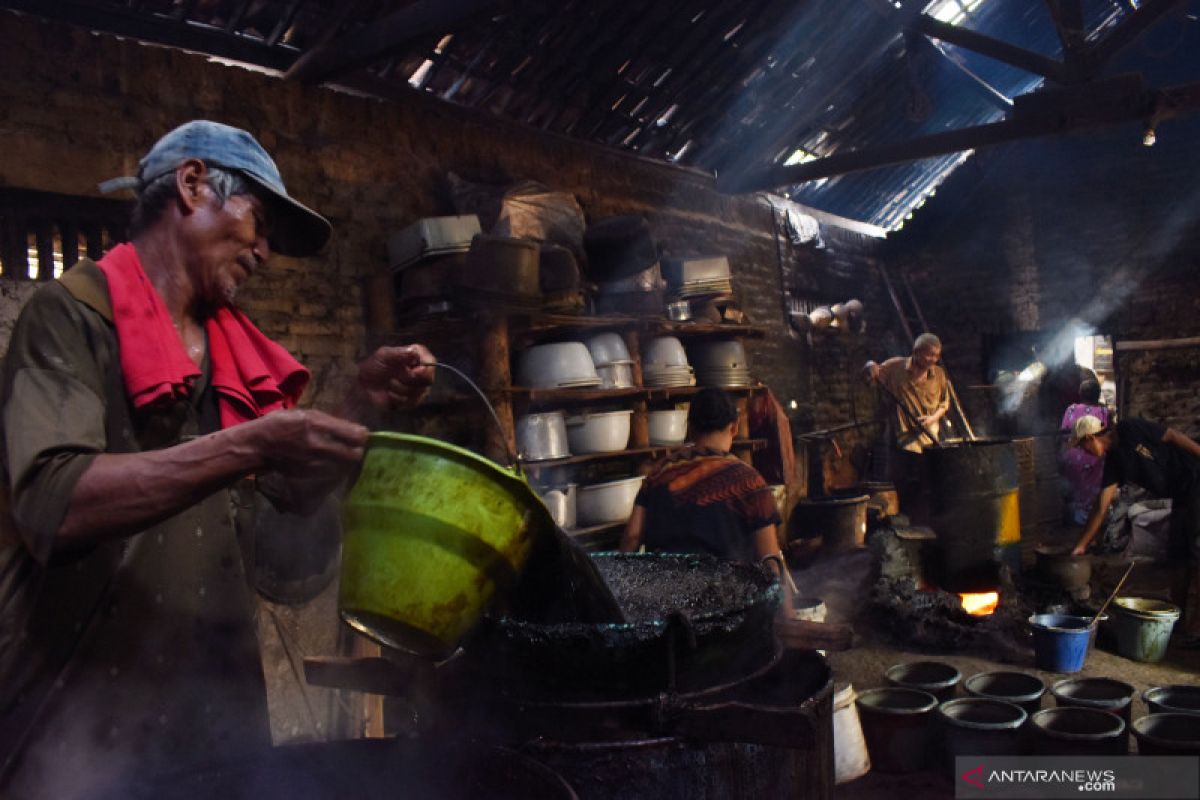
[139, 654]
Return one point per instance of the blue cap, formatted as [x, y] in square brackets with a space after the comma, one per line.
[297, 229]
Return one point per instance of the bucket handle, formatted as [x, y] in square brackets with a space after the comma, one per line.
[513, 460]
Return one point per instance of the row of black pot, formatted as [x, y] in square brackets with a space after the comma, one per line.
[907, 727]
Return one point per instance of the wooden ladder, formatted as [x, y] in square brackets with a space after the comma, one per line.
[912, 320]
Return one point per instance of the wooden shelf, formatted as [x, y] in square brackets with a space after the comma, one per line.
[673, 392]
[653, 452]
[497, 331]
[708, 329]
[594, 457]
[572, 396]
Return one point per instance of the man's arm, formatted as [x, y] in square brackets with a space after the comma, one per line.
[390, 377]
[631, 538]
[1182, 441]
[766, 547]
[943, 404]
[1096, 519]
[121, 494]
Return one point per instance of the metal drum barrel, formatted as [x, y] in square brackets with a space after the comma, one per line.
[973, 489]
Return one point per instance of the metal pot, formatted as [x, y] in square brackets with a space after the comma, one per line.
[507, 267]
[1057, 565]
[616, 375]
[694, 623]
[607, 503]
[556, 365]
[679, 311]
[561, 502]
[541, 437]
[604, 432]
[769, 736]
[608, 348]
[668, 427]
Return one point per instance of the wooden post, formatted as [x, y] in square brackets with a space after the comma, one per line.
[495, 377]
[45, 250]
[68, 234]
[372, 705]
[639, 434]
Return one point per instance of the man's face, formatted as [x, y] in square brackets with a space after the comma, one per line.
[927, 357]
[229, 244]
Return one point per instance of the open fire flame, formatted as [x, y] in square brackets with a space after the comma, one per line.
[980, 604]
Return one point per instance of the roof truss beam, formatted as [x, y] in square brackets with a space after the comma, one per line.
[988, 46]
[1043, 113]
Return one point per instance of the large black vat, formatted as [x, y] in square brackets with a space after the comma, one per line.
[973, 489]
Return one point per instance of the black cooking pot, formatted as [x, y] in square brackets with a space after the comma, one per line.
[770, 736]
[693, 622]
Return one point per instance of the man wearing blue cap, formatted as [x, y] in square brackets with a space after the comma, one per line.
[139, 412]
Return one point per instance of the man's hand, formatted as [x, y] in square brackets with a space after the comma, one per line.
[1079, 549]
[306, 443]
[396, 376]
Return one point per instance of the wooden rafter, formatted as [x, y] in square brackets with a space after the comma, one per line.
[988, 46]
[164, 30]
[1068, 24]
[383, 36]
[285, 22]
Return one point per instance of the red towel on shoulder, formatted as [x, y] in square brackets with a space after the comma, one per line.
[252, 375]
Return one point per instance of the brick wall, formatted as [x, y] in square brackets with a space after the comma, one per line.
[80, 108]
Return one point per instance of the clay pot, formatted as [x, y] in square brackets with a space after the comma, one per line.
[1058, 566]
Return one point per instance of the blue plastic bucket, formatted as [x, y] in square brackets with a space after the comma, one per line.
[1060, 642]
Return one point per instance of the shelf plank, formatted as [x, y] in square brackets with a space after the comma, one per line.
[569, 396]
[652, 452]
[673, 392]
[708, 329]
[538, 323]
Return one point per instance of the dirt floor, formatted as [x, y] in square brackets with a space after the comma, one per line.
[844, 583]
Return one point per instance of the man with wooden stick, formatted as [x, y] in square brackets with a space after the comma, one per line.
[919, 393]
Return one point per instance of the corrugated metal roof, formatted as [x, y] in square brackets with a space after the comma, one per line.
[723, 86]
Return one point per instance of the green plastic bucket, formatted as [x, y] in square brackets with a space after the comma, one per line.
[431, 532]
[1143, 626]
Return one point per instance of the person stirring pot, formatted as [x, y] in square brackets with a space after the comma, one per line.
[140, 410]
